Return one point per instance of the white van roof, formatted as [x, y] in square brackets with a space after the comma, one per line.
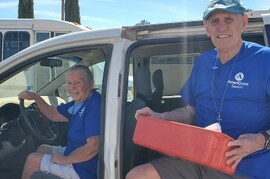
[257, 14]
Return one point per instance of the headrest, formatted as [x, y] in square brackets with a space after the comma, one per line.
[142, 81]
[158, 80]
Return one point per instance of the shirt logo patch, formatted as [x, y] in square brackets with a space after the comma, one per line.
[239, 76]
[238, 83]
[81, 112]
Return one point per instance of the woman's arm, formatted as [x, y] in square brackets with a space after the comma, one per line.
[49, 111]
[82, 154]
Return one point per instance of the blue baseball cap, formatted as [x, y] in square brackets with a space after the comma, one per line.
[230, 6]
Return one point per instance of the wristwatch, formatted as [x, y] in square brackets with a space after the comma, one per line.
[267, 140]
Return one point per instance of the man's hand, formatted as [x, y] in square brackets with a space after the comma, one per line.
[145, 112]
[243, 146]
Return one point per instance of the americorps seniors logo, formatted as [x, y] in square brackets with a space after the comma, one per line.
[239, 76]
[239, 81]
[81, 112]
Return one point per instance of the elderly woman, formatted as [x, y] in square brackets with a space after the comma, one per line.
[79, 159]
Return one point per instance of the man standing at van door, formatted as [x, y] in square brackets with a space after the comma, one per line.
[229, 85]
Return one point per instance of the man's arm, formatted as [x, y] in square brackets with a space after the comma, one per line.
[184, 115]
[245, 144]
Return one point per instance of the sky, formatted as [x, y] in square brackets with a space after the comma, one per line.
[99, 14]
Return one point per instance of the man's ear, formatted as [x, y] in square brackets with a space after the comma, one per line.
[206, 28]
[245, 21]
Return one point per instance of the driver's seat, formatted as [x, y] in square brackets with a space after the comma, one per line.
[43, 175]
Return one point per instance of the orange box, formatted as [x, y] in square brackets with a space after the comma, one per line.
[184, 141]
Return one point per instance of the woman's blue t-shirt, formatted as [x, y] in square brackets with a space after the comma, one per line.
[82, 125]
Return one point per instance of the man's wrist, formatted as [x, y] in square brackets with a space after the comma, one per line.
[266, 143]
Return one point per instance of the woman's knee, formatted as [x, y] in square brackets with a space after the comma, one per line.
[30, 157]
[43, 148]
[34, 159]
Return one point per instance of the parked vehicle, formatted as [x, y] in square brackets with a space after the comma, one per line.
[18, 34]
[131, 65]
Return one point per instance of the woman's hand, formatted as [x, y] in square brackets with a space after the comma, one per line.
[245, 144]
[27, 95]
[58, 158]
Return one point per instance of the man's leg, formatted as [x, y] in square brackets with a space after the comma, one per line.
[166, 168]
[172, 168]
[145, 171]
[209, 173]
[175, 168]
[32, 164]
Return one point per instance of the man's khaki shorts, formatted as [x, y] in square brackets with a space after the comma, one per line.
[174, 168]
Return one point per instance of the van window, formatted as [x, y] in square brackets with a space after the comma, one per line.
[40, 36]
[267, 30]
[174, 57]
[1, 37]
[15, 41]
[98, 70]
[59, 33]
[176, 69]
[34, 78]
[47, 74]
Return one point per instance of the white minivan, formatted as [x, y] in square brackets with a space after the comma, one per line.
[133, 67]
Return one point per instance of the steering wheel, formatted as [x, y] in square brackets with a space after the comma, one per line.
[38, 124]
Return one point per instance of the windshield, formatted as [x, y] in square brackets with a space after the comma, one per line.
[37, 76]
[47, 75]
